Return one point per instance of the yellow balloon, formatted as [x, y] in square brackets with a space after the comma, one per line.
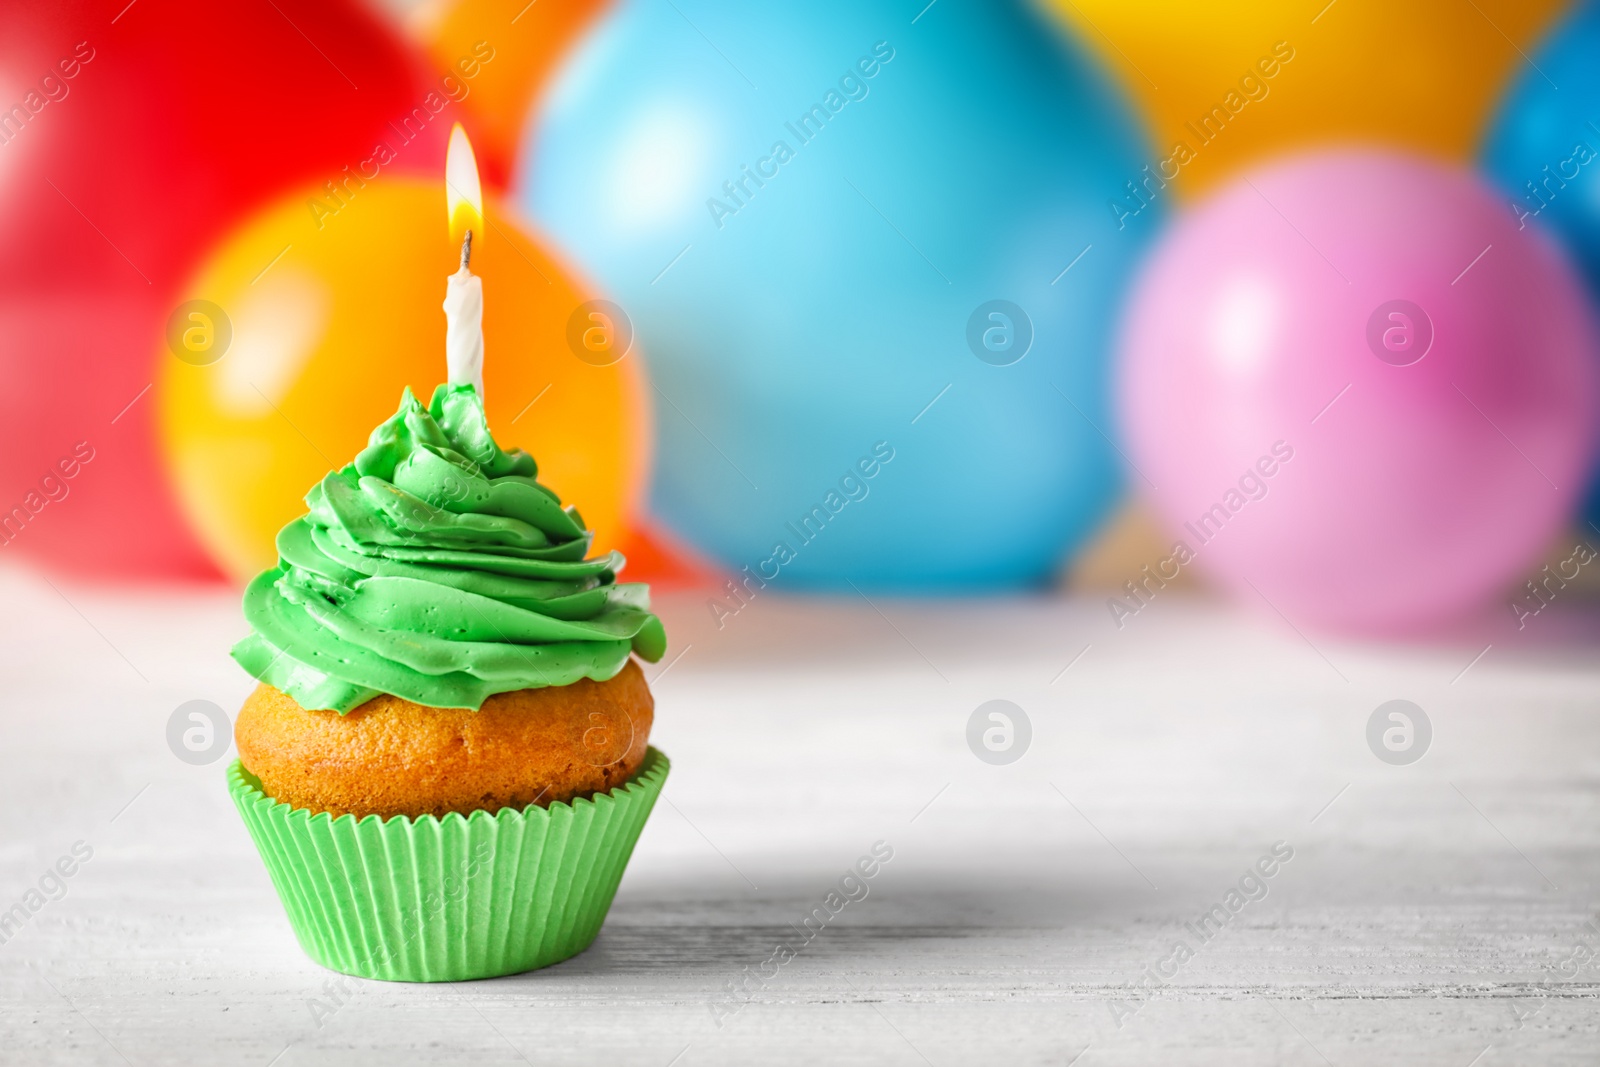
[1234, 81]
[298, 334]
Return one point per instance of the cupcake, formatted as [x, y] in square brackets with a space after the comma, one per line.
[446, 764]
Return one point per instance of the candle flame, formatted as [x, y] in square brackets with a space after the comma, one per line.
[463, 193]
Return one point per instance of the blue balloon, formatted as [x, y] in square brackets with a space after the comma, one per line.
[1543, 150]
[873, 255]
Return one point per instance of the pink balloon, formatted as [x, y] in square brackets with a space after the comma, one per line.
[1360, 395]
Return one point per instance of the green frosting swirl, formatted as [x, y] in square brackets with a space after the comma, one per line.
[438, 569]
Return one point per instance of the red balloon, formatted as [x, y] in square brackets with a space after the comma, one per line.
[131, 136]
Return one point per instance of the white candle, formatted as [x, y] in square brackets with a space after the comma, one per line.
[463, 335]
[463, 297]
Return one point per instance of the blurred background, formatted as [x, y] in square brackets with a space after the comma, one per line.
[1287, 304]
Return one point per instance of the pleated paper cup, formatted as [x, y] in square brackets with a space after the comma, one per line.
[445, 900]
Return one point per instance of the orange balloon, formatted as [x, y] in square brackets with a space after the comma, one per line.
[307, 323]
[1237, 81]
[524, 42]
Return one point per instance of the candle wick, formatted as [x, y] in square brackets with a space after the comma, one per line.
[466, 250]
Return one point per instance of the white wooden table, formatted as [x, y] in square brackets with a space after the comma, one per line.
[1429, 914]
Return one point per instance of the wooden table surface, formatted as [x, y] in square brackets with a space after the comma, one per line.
[1443, 912]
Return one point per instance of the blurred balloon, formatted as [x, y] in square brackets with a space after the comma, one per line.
[328, 325]
[136, 135]
[876, 291]
[1359, 395]
[656, 557]
[1543, 146]
[500, 54]
[1238, 80]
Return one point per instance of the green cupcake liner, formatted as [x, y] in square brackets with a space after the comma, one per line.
[446, 900]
